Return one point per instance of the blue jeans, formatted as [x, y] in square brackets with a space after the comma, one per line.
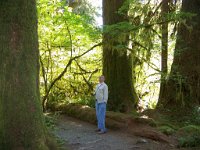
[101, 114]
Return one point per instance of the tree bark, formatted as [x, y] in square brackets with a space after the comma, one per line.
[183, 85]
[21, 122]
[117, 62]
[164, 46]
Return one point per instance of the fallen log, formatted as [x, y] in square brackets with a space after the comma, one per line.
[114, 120]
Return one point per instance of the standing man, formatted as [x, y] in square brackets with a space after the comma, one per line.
[101, 95]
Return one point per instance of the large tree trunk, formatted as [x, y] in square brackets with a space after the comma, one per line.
[164, 46]
[183, 85]
[21, 122]
[117, 62]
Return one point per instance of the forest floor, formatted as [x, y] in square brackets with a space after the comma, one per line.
[80, 135]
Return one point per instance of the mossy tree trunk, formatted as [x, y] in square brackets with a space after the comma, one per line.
[183, 85]
[164, 46]
[117, 62]
[21, 122]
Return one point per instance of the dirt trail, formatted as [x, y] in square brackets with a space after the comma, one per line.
[79, 135]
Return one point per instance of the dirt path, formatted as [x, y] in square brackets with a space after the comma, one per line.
[79, 135]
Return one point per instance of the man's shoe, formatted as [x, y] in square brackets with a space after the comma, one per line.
[101, 132]
[97, 130]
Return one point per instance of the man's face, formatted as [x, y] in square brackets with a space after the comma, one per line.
[101, 79]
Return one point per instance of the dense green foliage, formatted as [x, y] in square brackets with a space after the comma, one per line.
[66, 32]
[65, 35]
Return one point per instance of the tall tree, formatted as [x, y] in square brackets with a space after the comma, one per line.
[117, 62]
[21, 123]
[164, 46]
[183, 85]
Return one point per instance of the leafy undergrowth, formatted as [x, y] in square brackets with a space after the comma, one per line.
[189, 136]
[183, 125]
[166, 130]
